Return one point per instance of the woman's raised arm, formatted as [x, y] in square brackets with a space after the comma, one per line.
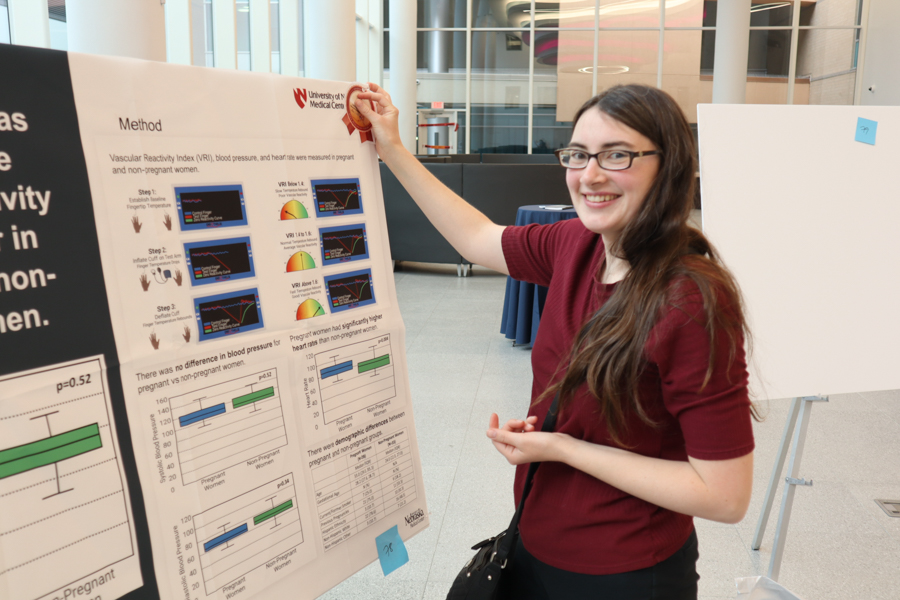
[473, 235]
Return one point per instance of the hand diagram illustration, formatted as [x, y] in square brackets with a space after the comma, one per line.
[145, 282]
[187, 334]
[154, 341]
[167, 221]
[177, 276]
[136, 223]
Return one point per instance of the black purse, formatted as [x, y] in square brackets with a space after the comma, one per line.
[482, 577]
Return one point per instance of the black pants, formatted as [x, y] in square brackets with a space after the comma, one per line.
[673, 579]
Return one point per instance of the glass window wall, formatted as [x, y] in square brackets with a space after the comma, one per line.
[532, 63]
[4, 22]
[242, 25]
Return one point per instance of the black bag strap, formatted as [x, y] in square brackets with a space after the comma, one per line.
[508, 543]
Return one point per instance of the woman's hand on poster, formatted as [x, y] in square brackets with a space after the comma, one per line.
[520, 443]
[384, 117]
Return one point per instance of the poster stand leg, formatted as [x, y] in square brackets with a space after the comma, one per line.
[793, 437]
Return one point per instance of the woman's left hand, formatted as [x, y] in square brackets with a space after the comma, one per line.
[518, 441]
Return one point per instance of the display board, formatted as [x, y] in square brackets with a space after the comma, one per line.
[204, 391]
[801, 203]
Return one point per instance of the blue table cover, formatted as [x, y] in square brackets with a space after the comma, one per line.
[524, 302]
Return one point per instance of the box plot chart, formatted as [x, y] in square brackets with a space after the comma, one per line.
[62, 498]
[246, 532]
[334, 197]
[355, 377]
[223, 425]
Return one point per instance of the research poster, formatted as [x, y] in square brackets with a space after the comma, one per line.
[204, 391]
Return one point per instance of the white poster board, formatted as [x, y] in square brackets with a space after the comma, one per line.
[240, 261]
[807, 219]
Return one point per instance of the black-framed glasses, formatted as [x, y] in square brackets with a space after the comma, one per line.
[610, 160]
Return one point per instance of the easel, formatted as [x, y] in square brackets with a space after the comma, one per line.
[793, 437]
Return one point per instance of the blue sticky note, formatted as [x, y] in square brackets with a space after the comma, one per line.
[391, 550]
[865, 131]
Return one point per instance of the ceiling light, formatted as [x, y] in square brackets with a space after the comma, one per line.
[605, 69]
[770, 6]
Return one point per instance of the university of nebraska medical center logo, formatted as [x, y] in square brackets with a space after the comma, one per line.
[300, 97]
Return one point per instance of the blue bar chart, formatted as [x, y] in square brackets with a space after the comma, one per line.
[223, 425]
[248, 532]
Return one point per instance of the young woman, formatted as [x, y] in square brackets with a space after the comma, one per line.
[643, 343]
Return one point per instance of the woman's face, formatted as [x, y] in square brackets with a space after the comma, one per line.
[606, 201]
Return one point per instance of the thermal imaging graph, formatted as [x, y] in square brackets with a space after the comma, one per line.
[226, 424]
[209, 206]
[355, 377]
[349, 290]
[64, 506]
[308, 309]
[335, 197]
[293, 209]
[342, 244]
[228, 314]
[245, 532]
[219, 260]
[300, 261]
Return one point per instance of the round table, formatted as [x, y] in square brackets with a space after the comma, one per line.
[523, 302]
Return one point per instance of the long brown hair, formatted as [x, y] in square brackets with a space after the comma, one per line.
[664, 252]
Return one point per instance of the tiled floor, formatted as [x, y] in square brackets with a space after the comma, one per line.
[840, 544]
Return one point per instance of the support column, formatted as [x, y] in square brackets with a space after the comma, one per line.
[403, 67]
[732, 46]
[439, 42]
[225, 34]
[260, 46]
[289, 37]
[329, 39]
[135, 29]
[29, 23]
[178, 31]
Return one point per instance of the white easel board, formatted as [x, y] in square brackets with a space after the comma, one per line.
[807, 219]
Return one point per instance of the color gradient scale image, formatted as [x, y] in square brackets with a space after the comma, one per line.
[300, 261]
[293, 209]
[308, 309]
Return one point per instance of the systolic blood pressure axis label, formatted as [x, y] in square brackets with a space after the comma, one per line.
[349, 290]
[335, 197]
[228, 314]
[219, 260]
[209, 206]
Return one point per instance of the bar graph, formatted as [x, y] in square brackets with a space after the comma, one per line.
[356, 377]
[64, 511]
[248, 532]
[223, 425]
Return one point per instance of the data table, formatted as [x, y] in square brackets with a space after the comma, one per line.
[361, 486]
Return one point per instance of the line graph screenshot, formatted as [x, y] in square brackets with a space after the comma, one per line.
[62, 495]
[219, 260]
[349, 290]
[228, 314]
[356, 377]
[210, 206]
[226, 424]
[342, 244]
[335, 197]
[245, 532]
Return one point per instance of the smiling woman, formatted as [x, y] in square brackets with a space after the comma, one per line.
[643, 345]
